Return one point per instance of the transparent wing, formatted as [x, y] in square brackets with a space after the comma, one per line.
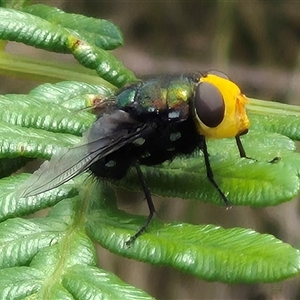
[108, 134]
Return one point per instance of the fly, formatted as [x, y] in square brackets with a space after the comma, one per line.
[148, 123]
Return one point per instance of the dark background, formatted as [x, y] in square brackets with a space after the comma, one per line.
[257, 43]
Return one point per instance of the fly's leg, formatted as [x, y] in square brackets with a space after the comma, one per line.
[210, 175]
[240, 147]
[149, 202]
[239, 144]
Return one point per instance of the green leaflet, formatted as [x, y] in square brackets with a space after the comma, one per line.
[106, 65]
[19, 282]
[32, 30]
[53, 107]
[99, 282]
[206, 251]
[209, 252]
[21, 239]
[19, 141]
[275, 117]
[74, 95]
[53, 30]
[55, 250]
[12, 206]
[41, 114]
[102, 33]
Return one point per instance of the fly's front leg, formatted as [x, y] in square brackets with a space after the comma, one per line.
[243, 153]
[240, 147]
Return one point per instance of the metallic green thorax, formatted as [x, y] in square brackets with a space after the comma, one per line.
[167, 95]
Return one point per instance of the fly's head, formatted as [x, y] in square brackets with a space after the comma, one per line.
[219, 107]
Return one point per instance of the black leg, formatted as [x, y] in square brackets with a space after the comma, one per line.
[210, 174]
[149, 202]
[240, 146]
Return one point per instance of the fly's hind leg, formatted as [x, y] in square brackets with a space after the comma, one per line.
[149, 202]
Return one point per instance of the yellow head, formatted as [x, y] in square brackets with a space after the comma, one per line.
[219, 108]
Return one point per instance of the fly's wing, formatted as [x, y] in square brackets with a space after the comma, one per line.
[108, 134]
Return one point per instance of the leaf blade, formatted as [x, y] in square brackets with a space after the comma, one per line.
[98, 284]
[102, 33]
[207, 251]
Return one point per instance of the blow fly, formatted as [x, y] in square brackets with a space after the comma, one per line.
[150, 122]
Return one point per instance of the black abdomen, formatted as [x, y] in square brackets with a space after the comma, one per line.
[167, 141]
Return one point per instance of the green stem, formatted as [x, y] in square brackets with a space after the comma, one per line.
[270, 107]
[42, 70]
